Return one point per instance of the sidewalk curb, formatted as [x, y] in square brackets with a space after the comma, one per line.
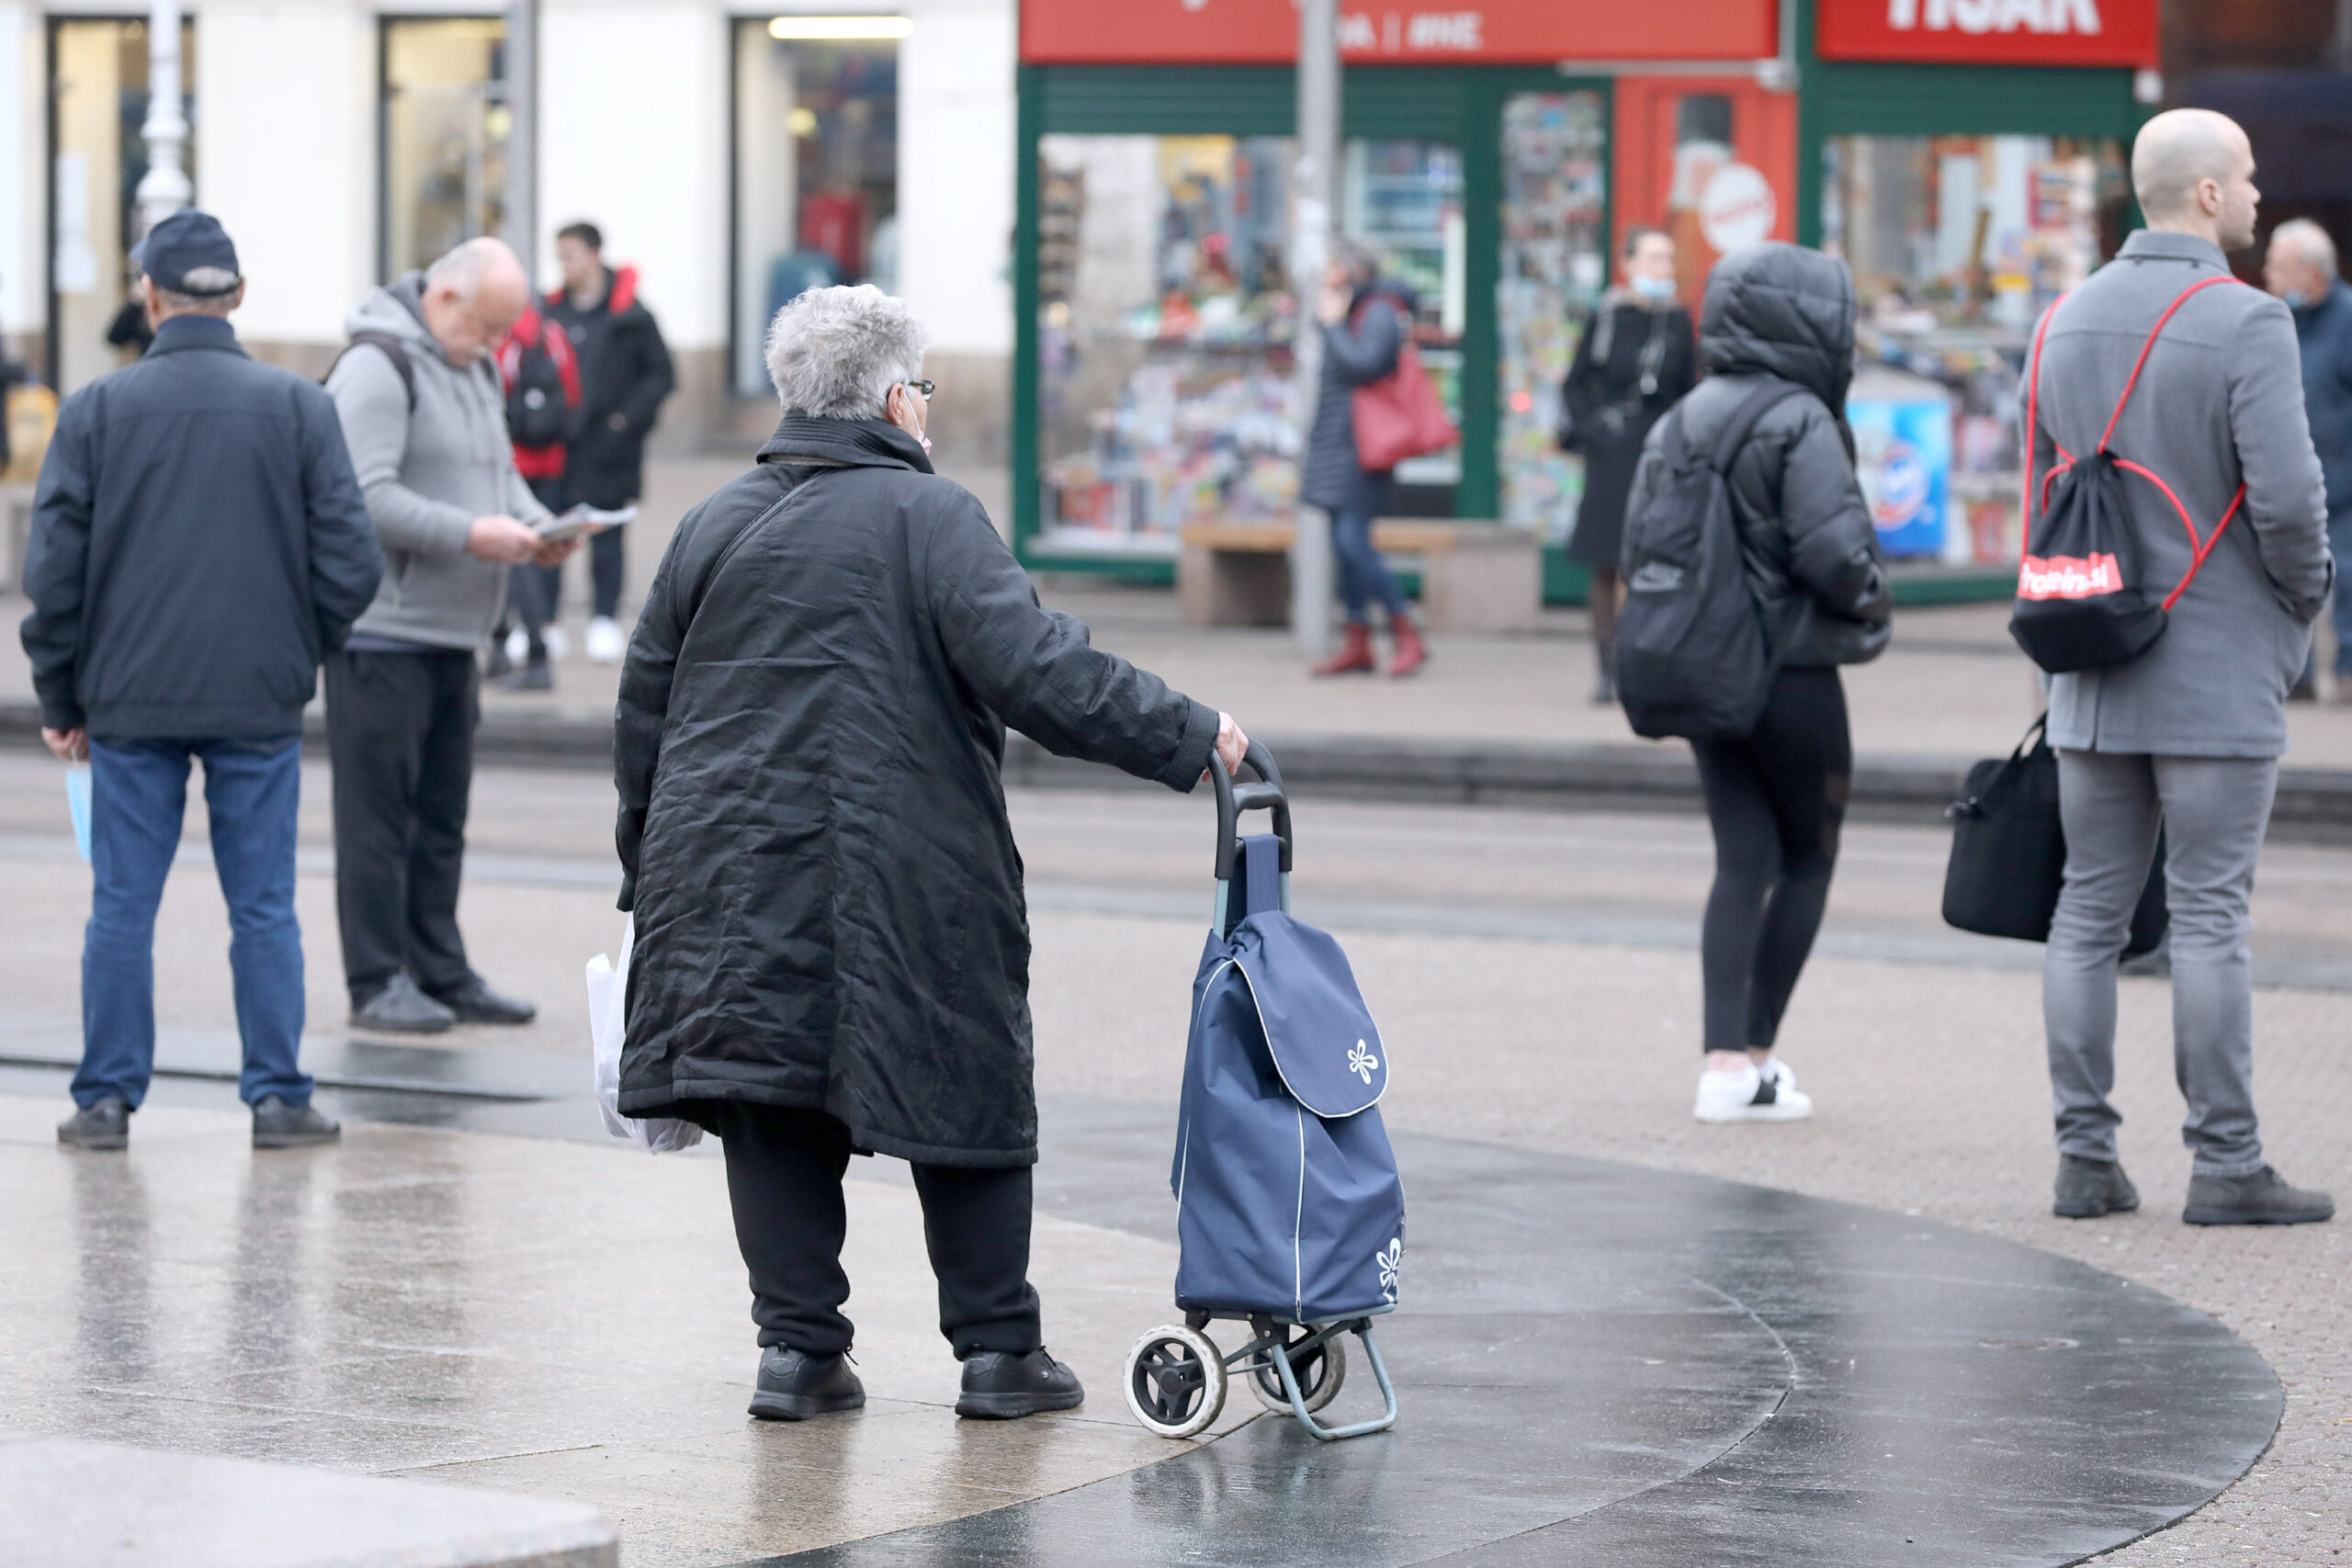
[2314, 805]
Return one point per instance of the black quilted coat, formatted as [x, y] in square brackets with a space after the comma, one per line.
[812, 828]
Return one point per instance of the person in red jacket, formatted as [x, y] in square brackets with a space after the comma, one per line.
[541, 378]
[624, 376]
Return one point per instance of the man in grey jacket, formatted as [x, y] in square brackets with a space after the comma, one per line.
[426, 419]
[2186, 737]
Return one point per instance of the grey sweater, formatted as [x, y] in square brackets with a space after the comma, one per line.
[2220, 401]
[428, 475]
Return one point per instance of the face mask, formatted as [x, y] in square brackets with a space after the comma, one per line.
[1654, 288]
[2296, 299]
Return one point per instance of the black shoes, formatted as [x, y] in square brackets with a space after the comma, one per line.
[2089, 1188]
[1001, 1386]
[278, 1125]
[475, 1002]
[533, 677]
[2261, 1199]
[106, 1125]
[401, 1008]
[793, 1386]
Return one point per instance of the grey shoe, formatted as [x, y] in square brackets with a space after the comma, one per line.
[793, 1386]
[2089, 1188]
[103, 1125]
[533, 677]
[280, 1125]
[1001, 1386]
[401, 1008]
[475, 1002]
[2261, 1199]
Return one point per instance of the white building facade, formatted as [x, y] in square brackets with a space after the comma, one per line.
[732, 154]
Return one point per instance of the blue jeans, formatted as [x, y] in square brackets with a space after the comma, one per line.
[1362, 574]
[138, 801]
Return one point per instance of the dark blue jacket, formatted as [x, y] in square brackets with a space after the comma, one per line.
[2324, 333]
[1359, 351]
[198, 544]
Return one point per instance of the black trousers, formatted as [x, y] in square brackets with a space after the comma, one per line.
[401, 735]
[784, 1178]
[1775, 801]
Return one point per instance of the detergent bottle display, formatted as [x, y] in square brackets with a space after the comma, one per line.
[1903, 452]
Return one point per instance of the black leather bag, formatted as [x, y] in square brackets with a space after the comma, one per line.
[2009, 852]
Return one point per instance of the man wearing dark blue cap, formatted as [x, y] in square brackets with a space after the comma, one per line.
[198, 544]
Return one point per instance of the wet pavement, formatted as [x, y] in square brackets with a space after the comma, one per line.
[488, 1293]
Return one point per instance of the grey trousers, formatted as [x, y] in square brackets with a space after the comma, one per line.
[2213, 811]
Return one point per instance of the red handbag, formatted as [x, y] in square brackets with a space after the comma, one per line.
[1400, 415]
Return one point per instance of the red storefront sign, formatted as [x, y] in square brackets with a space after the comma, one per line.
[1467, 32]
[1988, 32]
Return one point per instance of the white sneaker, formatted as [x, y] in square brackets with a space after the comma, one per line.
[518, 648]
[557, 641]
[1752, 1095]
[605, 643]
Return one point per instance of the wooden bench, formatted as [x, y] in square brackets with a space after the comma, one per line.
[1476, 576]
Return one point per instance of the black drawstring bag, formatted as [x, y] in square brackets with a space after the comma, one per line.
[2009, 852]
[2082, 603]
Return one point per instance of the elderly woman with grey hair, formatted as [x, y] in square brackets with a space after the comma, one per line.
[833, 950]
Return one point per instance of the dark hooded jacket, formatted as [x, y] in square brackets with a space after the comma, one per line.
[1359, 351]
[812, 828]
[1777, 309]
[624, 373]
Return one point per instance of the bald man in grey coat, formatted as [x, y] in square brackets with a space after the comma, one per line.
[2186, 737]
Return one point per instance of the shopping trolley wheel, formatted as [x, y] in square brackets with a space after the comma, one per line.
[1320, 1368]
[1175, 1381]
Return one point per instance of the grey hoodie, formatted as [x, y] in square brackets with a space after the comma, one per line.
[428, 475]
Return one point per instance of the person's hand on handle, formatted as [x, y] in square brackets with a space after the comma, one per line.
[73, 745]
[1231, 744]
[502, 539]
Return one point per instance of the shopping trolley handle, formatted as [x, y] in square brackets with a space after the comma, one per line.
[1233, 798]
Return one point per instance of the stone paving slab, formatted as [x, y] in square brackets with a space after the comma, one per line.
[69, 1503]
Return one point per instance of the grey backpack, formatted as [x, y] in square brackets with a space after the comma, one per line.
[1691, 655]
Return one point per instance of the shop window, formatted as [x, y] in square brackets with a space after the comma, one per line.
[98, 94]
[1552, 270]
[444, 137]
[1958, 244]
[816, 167]
[1165, 323]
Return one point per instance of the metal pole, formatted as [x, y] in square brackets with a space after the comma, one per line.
[163, 189]
[521, 228]
[1310, 234]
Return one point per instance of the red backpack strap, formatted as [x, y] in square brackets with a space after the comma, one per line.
[2178, 301]
[2033, 403]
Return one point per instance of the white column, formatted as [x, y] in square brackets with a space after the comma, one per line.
[287, 97]
[633, 138]
[956, 133]
[164, 188]
[24, 266]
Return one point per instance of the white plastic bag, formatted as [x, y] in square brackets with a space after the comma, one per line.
[607, 1026]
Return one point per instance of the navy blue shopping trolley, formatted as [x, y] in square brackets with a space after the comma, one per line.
[1289, 1215]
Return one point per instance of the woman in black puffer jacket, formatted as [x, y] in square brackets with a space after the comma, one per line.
[1776, 798]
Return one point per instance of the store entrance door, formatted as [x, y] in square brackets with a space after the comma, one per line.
[97, 98]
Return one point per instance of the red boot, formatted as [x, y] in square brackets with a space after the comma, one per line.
[1411, 651]
[1355, 655]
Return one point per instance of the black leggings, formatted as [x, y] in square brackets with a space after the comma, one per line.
[1775, 800]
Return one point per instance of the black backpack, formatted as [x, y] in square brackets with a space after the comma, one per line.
[538, 411]
[2082, 602]
[393, 349]
[1691, 655]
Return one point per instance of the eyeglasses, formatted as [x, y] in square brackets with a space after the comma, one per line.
[924, 388]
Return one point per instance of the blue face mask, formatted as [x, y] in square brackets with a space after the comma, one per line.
[1654, 288]
[2296, 299]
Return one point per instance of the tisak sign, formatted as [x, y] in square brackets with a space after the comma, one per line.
[1988, 32]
